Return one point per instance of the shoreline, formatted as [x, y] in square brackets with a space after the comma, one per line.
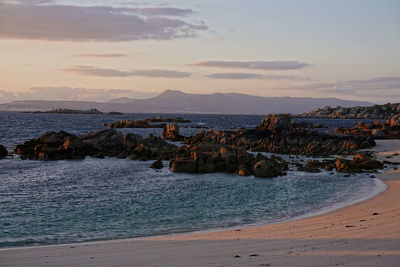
[374, 238]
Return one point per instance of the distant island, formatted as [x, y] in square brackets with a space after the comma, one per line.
[75, 111]
[382, 112]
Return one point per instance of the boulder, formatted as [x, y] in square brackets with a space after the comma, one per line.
[110, 142]
[183, 165]
[206, 168]
[276, 123]
[3, 152]
[171, 132]
[262, 169]
[130, 141]
[157, 164]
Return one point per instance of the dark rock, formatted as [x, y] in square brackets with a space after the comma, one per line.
[3, 152]
[262, 169]
[157, 164]
[183, 165]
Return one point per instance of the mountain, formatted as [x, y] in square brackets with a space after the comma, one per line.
[172, 101]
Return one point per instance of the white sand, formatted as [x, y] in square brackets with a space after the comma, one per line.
[351, 236]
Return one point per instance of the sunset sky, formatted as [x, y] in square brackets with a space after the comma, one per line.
[103, 49]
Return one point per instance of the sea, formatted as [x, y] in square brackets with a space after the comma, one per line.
[69, 201]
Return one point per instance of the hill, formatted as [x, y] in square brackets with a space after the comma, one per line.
[172, 101]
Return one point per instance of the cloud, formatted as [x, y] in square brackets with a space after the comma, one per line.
[165, 11]
[376, 84]
[104, 72]
[68, 93]
[260, 65]
[161, 73]
[235, 76]
[243, 76]
[94, 23]
[100, 55]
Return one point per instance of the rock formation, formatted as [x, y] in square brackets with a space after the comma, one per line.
[277, 135]
[158, 122]
[379, 130]
[111, 143]
[222, 158]
[171, 132]
[373, 112]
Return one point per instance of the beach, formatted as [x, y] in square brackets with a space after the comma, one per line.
[363, 234]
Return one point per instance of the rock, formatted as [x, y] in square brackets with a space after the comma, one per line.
[358, 164]
[394, 121]
[276, 135]
[206, 168]
[261, 169]
[3, 152]
[343, 165]
[276, 123]
[49, 146]
[134, 124]
[110, 142]
[372, 112]
[157, 164]
[130, 141]
[171, 132]
[183, 165]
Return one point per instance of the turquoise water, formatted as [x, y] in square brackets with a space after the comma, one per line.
[45, 202]
[94, 199]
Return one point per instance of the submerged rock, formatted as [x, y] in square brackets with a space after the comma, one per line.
[3, 152]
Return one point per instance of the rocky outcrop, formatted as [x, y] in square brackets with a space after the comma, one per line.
[134, 124]
[3, 152]
[276, 124]
[209, 158]
[378, 130]
[277, 135]
[111, 143]
[359, 163]
[373, 112]
[158, 122]
[171, 132]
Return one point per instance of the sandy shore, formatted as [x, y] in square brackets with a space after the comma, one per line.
[364, 234]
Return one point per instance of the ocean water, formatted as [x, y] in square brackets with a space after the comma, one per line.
[46, 202]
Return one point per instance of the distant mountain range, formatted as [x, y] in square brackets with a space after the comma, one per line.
[172, 101]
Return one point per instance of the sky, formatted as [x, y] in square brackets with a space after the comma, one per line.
[103, 49]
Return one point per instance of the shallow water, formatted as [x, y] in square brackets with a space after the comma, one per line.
[45, 202]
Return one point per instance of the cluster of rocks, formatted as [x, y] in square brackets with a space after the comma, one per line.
[379, 130]
[277, 134]
[112, 143]
[3, 152]
[359, 163]
[373, 112]
[209, 158]
[158, 122]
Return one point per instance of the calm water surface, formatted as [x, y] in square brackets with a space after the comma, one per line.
[96, 199]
